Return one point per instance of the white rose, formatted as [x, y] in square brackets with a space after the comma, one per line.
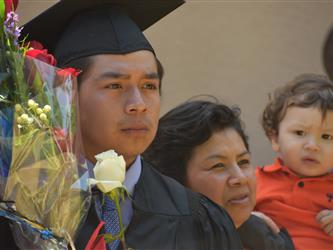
[109, 171]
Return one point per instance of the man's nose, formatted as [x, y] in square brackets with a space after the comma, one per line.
[135, 102]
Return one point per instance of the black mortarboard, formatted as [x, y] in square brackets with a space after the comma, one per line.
[328, 54]
[72, 29]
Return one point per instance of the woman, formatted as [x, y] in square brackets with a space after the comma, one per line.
[203, 145]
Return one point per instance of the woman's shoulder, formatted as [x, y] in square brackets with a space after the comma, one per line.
[255, 234]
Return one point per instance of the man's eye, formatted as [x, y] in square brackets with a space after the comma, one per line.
[114, 86]
[327, 137]
[149, 86]
[218, 165]
[299, 132]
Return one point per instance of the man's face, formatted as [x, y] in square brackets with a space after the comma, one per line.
[305, 141]
[119, 104]
[221, 169]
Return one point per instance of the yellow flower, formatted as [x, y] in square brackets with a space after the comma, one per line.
[43, 117]
[19, 120]
[47, 108]
[39, 111]
[109, 171]
[35, 106]
[31, 103]
[30, 120]
[24, 118]
[18, 108]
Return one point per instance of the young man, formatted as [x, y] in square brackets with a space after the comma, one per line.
[119, 98]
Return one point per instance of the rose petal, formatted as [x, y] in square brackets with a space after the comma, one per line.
[35, 45]
[67, 72]
[104, 186]
[10, 5]
[106, 155]
[108, 186]
[112, 169]
[42, 55]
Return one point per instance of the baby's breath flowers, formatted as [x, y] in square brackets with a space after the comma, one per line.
[32, 116]
[18, 108]
[47, 108]
[39, 111]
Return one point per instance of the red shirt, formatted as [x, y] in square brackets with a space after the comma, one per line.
[294, 202]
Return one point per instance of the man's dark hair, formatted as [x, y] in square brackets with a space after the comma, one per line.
[186, 127]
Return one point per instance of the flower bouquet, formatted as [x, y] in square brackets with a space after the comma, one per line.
[44, 188]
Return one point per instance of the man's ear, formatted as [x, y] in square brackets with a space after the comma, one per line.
[273, 137]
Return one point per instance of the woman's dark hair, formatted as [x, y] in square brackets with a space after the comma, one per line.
[186, 127]
[84, 63]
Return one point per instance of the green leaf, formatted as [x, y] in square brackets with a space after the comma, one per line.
[2, 11]
[4, 99]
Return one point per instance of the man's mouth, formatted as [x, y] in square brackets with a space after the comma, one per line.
[135, 129]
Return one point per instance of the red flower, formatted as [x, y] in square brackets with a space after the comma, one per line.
[68, 72]
[35, 45]
[42, 55]
[10, 5]
[62, 141]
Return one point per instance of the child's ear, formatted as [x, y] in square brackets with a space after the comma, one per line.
[274, 141]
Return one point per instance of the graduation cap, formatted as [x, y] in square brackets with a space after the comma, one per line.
[72, 29]
[328, 54]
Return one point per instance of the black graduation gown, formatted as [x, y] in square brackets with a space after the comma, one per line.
[166, 215]
[256, 235]
[6, 238]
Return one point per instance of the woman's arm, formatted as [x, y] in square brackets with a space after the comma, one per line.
[255, 234]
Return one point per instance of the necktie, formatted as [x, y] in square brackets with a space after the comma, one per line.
[112, 225]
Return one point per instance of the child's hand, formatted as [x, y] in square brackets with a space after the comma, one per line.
[325, 220]
[269, 222]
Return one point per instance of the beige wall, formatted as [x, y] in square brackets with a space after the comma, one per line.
[235, 50]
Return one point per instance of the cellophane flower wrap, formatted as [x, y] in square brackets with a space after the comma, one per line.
[43, 181]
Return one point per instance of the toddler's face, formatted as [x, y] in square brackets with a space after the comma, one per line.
[305, 141]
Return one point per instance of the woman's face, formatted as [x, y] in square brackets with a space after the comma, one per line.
[221, 169]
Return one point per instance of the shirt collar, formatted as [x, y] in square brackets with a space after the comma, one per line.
[276, 166]
[132, 175]
[279, 166]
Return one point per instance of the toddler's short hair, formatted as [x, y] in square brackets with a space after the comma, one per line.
[307, 90]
